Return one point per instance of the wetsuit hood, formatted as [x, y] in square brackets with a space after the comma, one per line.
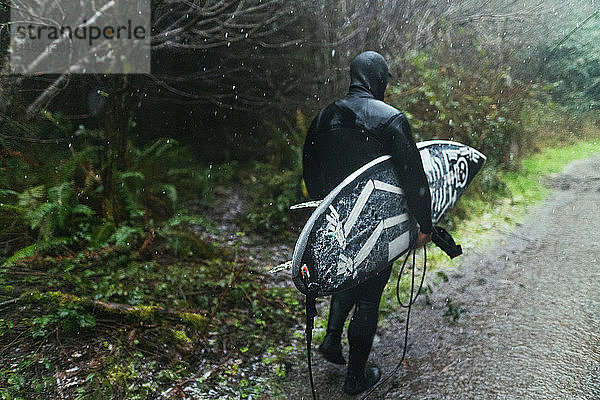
[369, 74]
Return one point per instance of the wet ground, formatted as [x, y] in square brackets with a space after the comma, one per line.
[527, 308]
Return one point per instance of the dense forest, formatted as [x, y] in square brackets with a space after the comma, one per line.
[140, 213]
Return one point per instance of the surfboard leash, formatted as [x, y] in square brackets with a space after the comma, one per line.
[312, 289]
[408, 306]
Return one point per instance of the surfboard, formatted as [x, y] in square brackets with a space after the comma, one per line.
[364, 224]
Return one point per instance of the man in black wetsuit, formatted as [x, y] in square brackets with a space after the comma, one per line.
[342, 138]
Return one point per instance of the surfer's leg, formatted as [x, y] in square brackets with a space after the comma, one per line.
[341, 304]
[362, 330]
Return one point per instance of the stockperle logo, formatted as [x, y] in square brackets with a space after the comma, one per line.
[73, 36]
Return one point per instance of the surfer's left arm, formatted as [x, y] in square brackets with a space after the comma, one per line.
[407, 160]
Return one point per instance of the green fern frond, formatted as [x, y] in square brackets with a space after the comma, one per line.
[63, 194]
[83, 209]
[159, 147]
[185, 219]
[125, 234]
[9, 208]
[6, 193]
[37, 216]
[30, 197]
[23, 253]
[168, 145]
[169, 190]
[101, 234]
[132, 175]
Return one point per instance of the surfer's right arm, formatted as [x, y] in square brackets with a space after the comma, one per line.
[407, 159]
[311, 168]
[422, 239]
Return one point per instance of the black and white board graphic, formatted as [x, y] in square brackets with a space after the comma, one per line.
[450, 168]
[363, 224]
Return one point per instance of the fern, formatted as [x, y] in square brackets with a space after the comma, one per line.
[83, 210]
[150, 189]
[169, 190]
[6, 208]
[132, 174]
[158, 148]
[56, 214]
[125, 235]
[151, 186]
[5, 202]
[12, 222]
[39, 214]
[101, 234]
[23, 253]
[6, 193]
[62, 194]
[31, 197]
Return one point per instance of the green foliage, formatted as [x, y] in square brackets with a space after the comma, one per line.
[127, 367]
[197, 321]
[448, 101]
[23, 253]
[453, 311]
[50, 214]
[57, 311]
[67, 318]
[64, 210]
[124, 374]
[272, 193]
[276, 185]
[153, 182]
[181, 239]
[59, 213]
[15, 382]
[572, 69]
[124, 235]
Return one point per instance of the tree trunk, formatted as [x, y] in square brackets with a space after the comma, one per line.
[116, 121]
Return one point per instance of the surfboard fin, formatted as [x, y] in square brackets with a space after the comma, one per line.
[281, 267]
[444, 241]
[308, 204]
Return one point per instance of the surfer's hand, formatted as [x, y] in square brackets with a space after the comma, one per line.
[423, 239]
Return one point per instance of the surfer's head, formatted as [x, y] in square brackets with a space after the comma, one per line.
[370, 72]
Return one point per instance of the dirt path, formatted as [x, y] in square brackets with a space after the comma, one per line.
[530, 321]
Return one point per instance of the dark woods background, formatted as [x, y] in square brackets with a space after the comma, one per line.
[142, 190]
[240, 80]
[215, 80]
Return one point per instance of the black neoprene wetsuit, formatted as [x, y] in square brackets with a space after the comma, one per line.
[355, 130]
[342, 138]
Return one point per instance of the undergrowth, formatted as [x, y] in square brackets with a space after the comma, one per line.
[94, 307]
[139, 327]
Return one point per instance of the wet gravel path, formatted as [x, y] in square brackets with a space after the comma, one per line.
[529, 326]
